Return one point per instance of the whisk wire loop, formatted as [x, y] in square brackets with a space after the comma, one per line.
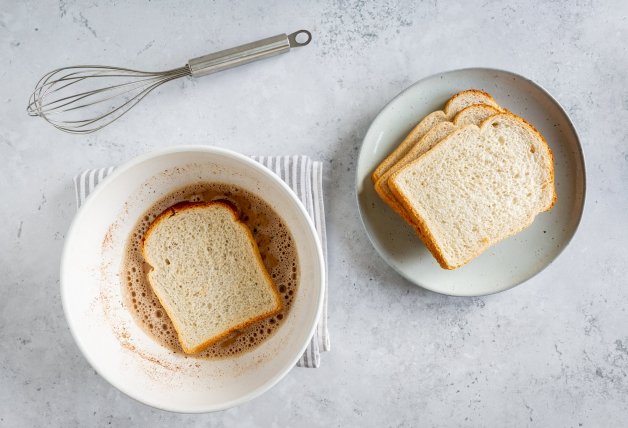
[107, 92]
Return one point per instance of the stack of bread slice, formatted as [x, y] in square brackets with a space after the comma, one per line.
[467, 177]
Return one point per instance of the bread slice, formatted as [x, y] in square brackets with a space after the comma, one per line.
[473, 114]
[452, 107]
[477, 186]
[207, 272]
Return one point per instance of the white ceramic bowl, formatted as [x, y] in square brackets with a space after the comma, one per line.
[104, 329]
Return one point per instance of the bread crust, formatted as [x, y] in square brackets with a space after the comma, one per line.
[426, 235]
[467, 92]
[183, 206]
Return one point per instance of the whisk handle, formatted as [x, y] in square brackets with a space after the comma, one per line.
[244, 54]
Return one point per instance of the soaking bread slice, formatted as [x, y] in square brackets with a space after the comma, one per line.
[474, 114]
[452, 107]
[207, 272]
[477, 186]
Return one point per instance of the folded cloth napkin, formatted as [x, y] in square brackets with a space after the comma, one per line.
[304, 177]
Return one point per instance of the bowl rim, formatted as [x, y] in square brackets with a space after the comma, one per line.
[65, 265]
[582, 162]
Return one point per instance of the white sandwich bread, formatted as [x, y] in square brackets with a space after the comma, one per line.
[207, 272]
[476, 187]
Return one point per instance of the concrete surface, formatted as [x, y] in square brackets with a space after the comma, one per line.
[552, 352]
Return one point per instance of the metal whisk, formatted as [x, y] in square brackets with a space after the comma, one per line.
[86, 98]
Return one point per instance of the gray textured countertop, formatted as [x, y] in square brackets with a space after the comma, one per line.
[552, 352]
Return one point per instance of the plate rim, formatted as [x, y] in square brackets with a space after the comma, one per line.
[582, 163]
[65, 263]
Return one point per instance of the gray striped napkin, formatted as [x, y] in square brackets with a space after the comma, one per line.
[305, 178]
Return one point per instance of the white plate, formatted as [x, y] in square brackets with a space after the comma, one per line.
[105, 330]
[512, 261]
